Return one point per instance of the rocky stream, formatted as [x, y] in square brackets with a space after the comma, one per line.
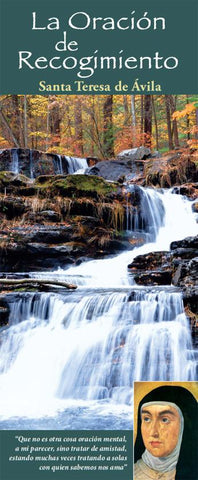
[125, 233]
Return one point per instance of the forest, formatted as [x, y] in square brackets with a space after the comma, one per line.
[98, 125]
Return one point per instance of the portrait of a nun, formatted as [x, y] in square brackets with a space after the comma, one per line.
[166, 443]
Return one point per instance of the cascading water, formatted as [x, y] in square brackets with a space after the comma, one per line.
[76, 164]
[31, 165]
[148, 216]
[71, 165]
[60, 165]
[69, 360]
[15, 161]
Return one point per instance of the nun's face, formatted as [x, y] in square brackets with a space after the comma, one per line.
[160, 429]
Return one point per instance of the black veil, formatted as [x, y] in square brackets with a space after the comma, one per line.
[188, 459]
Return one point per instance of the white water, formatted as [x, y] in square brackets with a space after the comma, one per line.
[76, 165]
[15, 161]
[60, 165]
[178, 222]
[31, 166]
[74, 357]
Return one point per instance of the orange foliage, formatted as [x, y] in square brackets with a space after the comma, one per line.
[189, 108]
[193, 142]
[130, 137]
[74, 124]
[5, 143]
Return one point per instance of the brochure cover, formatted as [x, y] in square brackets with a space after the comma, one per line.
[98, 240]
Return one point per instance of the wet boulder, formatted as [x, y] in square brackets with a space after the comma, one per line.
[187, 273]
[31, 162]
[4, 311]
[150, 261]
[118, 170]
[12, 183]
[156, 277]
[12, 207]
[187, 243]
[128, 165]
[171, 169]
[152, 269]
[189, 190]
[178, 267]
[48, 216]
[75, 186]
[138, 153]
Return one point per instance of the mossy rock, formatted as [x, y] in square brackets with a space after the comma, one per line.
[27, 191]
[45, 179]
[12, 181]
[171, 170]
[75, 185]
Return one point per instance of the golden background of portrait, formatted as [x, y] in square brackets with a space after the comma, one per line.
[142, 388]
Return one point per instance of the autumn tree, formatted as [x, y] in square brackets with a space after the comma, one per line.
[147, 120]
[168, 115]
[155, 122]
[97, 125]
[78, 124]
[54, 121]
[190, 113]
[108, 139]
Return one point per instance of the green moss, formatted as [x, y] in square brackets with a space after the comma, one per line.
[86, 183]
[45, 180]
[12, 181]
[10, 177]
[75, 185]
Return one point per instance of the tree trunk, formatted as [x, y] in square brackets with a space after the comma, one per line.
[155, 121]
[142, 115]
[133, 120]
[175, 129]
[78, 124]
[196, 135]
[97, 130]
[108, 139]
[69, 123]
[47, 129]
[133, 110]
[36, 281]
[8, 128]
[25, 122]
[147, 120]
[54, 122]
[18, 120]
[126, 110]
[168, 117]
[92, 126]
[187, 121]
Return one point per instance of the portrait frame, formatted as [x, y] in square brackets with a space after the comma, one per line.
[185, 396]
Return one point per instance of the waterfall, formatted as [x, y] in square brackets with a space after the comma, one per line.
[71, 165]
[60, 165]
[76, 165]
[148, 215]
[31, 166]
[15, 161]
[69, 360]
